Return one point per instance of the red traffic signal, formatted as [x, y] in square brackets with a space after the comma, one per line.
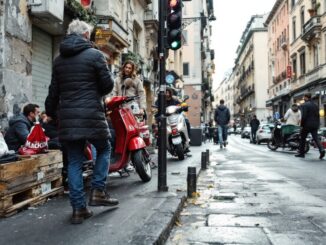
[174, 4]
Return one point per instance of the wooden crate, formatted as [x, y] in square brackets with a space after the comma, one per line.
[30, 196]
[16, 176]
[29, 181]
[29, 164]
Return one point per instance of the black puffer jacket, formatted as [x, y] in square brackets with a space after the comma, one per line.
[309, 115]
[19, 128]
[222, 115]
[80, 78]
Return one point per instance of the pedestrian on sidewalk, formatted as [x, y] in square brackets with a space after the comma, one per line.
[309, 124]
[80, 79]
[222, 119]
[254, 124]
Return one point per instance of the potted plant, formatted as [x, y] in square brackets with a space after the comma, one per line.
[314, 9]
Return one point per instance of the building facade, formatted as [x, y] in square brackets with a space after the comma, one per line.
[252, 70]
[279, 69]
[31, 34]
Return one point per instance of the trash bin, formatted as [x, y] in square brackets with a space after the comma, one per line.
[196, 136]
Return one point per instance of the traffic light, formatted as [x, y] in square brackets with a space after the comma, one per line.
[174, 23]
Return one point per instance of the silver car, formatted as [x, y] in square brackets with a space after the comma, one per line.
[264, 132]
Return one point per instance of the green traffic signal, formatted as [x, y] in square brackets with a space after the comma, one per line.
[174, 24]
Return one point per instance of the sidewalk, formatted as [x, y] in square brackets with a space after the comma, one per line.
[144, 215]
[235, 206]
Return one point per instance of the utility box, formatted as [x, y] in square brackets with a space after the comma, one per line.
[196, 136]
[49, 10]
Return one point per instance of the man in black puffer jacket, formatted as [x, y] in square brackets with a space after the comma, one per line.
[222, 119]
[20, 126]
[80, 79]
[309, 124]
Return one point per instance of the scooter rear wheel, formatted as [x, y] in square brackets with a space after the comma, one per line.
[142, 164]
[179, 152]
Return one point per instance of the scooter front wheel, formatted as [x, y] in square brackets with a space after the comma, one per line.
[271, 144]
[142, 164]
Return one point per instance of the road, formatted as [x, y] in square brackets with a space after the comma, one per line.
[278, 199]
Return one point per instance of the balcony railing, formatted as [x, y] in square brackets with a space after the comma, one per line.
[311, 29]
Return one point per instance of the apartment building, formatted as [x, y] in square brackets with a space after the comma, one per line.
[197, 59]
[308, 51]
[279, 69]
[251, 67]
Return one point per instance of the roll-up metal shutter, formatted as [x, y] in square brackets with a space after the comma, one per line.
[41, 65]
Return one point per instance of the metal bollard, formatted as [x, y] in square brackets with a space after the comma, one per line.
[203, 160]
[191, 181]
[207, 156]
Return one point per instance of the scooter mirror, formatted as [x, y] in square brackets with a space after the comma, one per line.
[185, 97]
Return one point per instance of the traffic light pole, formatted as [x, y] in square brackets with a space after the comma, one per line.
[162, 186]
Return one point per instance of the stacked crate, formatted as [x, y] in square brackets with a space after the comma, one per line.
[30, 181]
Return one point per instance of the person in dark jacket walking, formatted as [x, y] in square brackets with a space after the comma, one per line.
[254, 124]
[222, 119]
[309, 124]
[80, 80]
[20, 126]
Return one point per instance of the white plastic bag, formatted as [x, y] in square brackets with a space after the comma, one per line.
[3, 146]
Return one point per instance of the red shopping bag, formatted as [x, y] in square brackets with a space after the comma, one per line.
[36, 141]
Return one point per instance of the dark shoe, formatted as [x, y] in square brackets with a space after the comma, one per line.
[322, 154]
[101, 198]
[78, 215]
[221, 146]
[299, 155]
[224, 144]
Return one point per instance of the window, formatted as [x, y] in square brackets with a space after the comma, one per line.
[316, 56]
[294, 36]
[294, 66]
[302, 63]
[292, 3]
[302, 18]
[186, 69]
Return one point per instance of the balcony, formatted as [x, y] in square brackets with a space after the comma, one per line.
[151, 21]
[284, 45]
[111, 34]
[311, 30]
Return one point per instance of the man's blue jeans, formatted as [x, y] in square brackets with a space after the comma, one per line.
[222, 133]
[75, 152]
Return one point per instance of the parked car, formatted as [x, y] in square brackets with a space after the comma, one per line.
[246, 132]
[264, 132]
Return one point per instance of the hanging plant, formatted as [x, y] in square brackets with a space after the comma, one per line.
[78, 11]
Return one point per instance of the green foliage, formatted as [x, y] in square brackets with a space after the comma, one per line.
[77, 11]
[136, 58]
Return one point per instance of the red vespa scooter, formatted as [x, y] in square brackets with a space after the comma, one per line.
[129, 144]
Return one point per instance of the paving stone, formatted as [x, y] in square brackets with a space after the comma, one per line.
[240, 208]
[233, 220]
[296, 239]
[232, 235]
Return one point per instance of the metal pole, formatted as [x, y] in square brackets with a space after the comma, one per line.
[203, 161]
[162, 186]
[207, 156]
[191, 181]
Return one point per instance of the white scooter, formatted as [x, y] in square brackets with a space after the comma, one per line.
[177, 134]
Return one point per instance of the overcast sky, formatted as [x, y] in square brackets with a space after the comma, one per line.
[232, 17]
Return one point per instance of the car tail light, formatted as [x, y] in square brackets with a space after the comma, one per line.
[260, 131]
[174, 131]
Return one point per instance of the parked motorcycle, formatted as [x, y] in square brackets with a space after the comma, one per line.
[177, 134]
[290, 141]
[129, 145]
